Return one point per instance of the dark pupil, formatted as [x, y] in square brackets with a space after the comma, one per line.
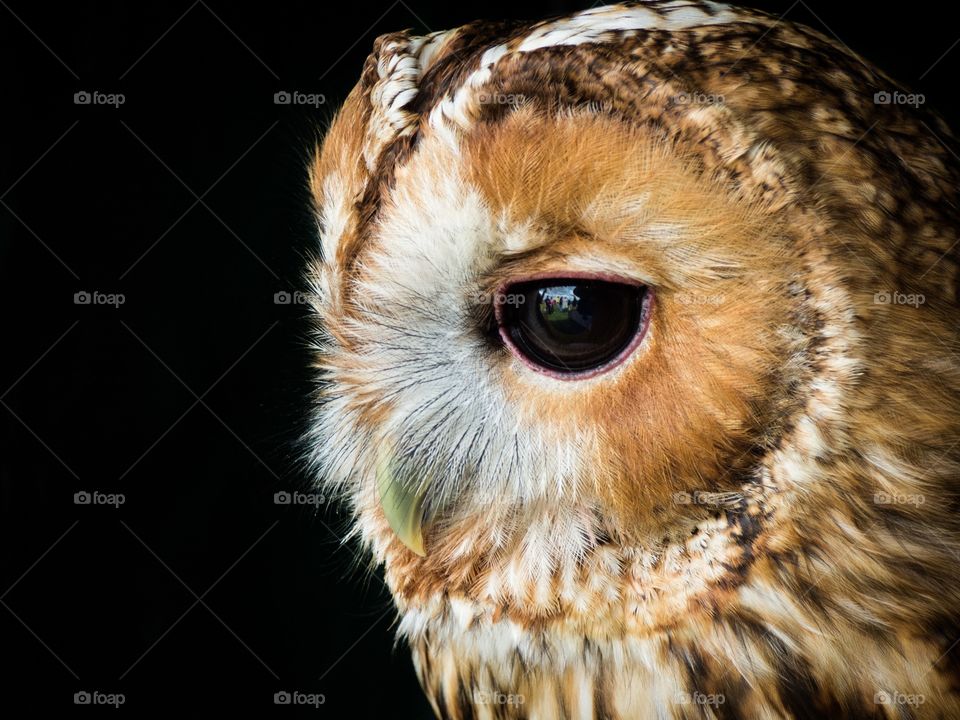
[572, 325]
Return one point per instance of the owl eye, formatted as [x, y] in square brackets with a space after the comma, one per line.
[572, 327]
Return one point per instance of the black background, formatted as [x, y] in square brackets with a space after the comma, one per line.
[97, 398]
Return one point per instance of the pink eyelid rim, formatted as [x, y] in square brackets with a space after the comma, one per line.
[646, 312]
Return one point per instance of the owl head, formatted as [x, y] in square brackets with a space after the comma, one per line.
[623, 313]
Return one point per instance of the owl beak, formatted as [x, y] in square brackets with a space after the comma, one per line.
[402, 503]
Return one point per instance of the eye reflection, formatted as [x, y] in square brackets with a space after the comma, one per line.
[568, 311]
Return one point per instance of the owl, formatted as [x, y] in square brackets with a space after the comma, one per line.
[637, 367]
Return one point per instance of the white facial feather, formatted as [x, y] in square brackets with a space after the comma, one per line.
[420, 356]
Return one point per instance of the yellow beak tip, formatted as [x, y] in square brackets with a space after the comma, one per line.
[417, 548]
[401, 505]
